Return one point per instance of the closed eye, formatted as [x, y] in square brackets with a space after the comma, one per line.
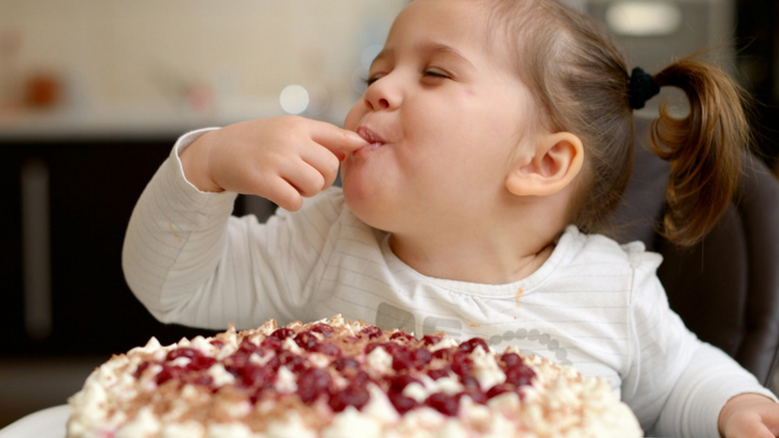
[433, 73]
[370, 80]
[436, 73]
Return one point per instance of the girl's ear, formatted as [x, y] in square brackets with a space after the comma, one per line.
[558, 159]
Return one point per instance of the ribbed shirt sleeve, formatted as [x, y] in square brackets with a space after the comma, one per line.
[677, 385]
[190, 262]
[709, 380]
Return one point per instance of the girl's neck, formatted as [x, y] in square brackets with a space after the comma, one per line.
[475, 259]
[497, 245]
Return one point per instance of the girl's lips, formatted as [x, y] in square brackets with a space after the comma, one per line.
[371, 137]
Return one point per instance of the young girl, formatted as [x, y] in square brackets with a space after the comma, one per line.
[493, 136]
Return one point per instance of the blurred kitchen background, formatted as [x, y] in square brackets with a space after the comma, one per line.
[93, 93]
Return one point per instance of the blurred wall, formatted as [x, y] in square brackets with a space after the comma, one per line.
[203, 52]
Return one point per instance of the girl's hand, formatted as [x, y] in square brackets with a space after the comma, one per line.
[280, 158]
[749, 416]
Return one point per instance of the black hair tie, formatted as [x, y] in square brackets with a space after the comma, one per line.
[641, 88]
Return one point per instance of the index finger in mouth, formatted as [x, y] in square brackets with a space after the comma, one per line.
[337, 140]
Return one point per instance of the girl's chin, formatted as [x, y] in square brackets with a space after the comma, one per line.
[362, 201]
[365, 178]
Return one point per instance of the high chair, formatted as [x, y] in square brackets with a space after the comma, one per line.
[725, 288]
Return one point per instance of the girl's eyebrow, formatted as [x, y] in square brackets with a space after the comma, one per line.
[429, 48]
[386, 53]
[439, 48]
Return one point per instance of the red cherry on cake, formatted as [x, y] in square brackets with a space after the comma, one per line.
[471, 345]
[361, 378]
[510, 359]
[351, 395]
[443, 353]
[438, 373]
[398, 383]
[431, 339]
[372, 332]
[306, 340]
[169, 373]
[421, 357]
[461, 363]
[324, 329]
[292, 361]
[519, 375]
[256, 375]
[271, 344]
[402, 403]
[200, 363]
[326, 348]
[498, 390]
[282, 333]
[402, 361]
[343, 363]
[470, 383]
[443, 403]
[313, 383]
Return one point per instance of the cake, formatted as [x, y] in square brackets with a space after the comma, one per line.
[337, 378]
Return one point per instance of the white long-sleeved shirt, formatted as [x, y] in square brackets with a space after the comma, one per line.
[593, 304]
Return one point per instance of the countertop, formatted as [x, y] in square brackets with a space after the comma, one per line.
[130, 121]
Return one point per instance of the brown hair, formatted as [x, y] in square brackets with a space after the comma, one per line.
[581, 80]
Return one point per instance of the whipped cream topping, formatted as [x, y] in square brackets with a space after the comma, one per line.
[338, 378]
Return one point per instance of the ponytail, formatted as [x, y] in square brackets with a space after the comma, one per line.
[578, 76]
[703, 148]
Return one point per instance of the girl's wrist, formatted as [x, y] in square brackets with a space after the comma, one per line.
[194, 161]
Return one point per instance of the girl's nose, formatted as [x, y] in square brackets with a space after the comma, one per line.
[383, 94]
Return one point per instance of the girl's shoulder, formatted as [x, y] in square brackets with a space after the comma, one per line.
[601, 249]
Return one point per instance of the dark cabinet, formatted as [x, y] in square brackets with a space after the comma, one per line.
[80, 303]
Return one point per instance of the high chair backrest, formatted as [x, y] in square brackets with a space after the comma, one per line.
[725, 288]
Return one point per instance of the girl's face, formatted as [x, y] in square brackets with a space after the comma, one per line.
[445, 116]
